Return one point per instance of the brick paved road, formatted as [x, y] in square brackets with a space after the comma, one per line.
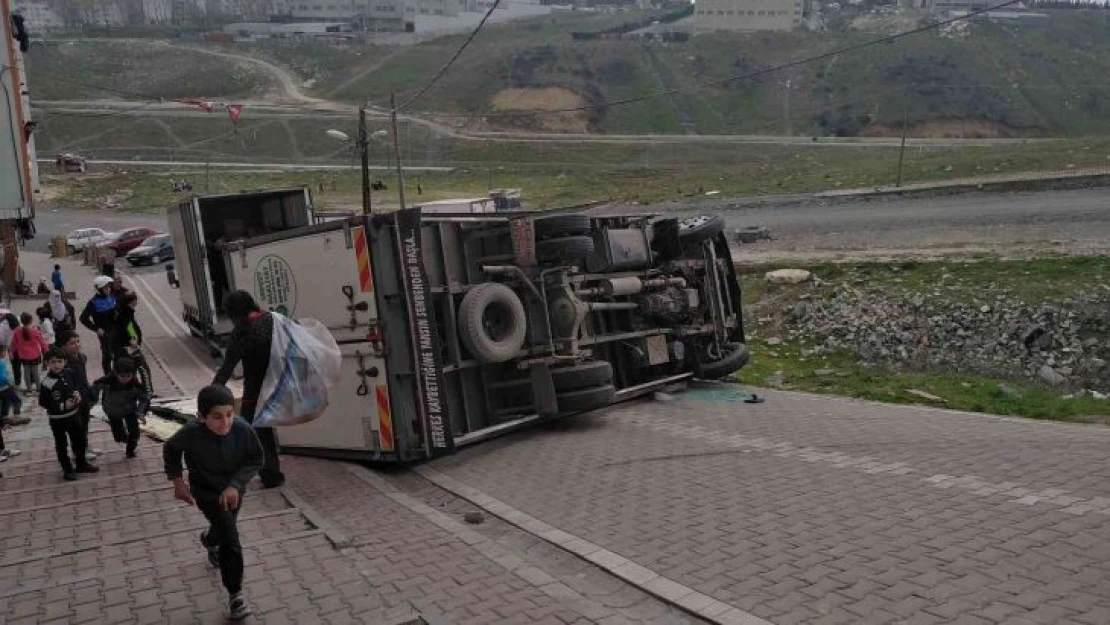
[341, 545]
[808, 509]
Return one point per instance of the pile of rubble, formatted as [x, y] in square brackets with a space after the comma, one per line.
[1063, 343]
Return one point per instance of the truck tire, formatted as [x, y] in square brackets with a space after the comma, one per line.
[492, 322]
[584, 375]
[561, 226]
[736, 356]
[564, 249]
[586, 399]
[700, 228]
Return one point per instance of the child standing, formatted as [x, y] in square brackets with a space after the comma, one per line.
[60, 396]
[10, 402]
[124, 402]
[223, 454]
[46, 323]
[28, 345]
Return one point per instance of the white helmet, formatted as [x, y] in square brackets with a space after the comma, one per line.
[100, 282]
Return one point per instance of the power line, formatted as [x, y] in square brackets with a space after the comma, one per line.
[458, 53]
[739, 77]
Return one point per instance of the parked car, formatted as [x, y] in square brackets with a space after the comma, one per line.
[153, 251]
[129, 239]
[84, 237]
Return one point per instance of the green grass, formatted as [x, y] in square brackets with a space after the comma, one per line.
[796, 364]
[97, 69]
[559, 174]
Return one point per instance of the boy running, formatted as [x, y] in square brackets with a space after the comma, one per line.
[223, 454]
[124, 402]
[59, 395]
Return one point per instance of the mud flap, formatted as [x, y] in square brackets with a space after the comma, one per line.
[543, 389]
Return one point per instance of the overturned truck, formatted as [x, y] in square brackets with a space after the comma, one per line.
[455, 328]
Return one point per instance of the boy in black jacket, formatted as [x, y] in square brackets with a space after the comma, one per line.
[77, 364]
[124, 401]
[61, 398]
[223, 454]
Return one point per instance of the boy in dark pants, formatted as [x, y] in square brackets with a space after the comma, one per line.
[124, 401]
[223, 454]
[62, 400]
[77, 365]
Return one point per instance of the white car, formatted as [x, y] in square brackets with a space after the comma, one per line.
[85, 237]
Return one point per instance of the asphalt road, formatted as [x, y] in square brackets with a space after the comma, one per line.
[1076, 222]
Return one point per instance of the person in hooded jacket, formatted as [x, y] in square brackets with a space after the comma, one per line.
[127, 337]
[99, 316]
[62, 315]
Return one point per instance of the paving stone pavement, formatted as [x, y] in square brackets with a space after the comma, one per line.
[810, 509]
[339, 544]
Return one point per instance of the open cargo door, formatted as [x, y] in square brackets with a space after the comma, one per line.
[187, 233]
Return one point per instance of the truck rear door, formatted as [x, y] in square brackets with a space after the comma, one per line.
[358, 422]
[320, 271]
[187, 233]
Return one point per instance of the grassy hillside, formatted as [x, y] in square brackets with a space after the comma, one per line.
[1033, 79]
[105, 69]
[1030, 79]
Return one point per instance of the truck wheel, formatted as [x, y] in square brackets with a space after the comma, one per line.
[564, 249]
[562, 226]
[586, 399]
[584, 375]
[736, 355]
[492, 322]
[700, 228]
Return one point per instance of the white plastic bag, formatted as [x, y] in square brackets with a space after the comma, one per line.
[305, 363]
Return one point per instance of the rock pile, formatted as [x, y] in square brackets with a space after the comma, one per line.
[1063, 344]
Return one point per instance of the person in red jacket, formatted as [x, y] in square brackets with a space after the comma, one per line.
[28, 346]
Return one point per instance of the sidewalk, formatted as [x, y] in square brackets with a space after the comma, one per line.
[339, 543]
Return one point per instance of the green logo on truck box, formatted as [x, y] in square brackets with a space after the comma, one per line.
[274, 285]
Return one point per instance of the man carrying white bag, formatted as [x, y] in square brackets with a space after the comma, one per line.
[288, 370]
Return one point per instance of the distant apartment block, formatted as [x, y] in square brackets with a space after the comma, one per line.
[749, 14]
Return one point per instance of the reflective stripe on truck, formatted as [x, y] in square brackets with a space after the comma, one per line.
[384, 418]
[362, 256]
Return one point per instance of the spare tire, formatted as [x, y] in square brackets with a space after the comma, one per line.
[736, 355]
[562, 226]
[565, 249]
[700, 228]
[586, 399]
[492, 322]
[583, 375]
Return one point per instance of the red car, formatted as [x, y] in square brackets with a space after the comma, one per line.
[129, 239]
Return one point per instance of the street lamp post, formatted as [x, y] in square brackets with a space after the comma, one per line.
[363, 145]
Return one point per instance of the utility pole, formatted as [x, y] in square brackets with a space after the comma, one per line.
[364, 152]
[786, 109]
[397, 149]
[902, 150]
